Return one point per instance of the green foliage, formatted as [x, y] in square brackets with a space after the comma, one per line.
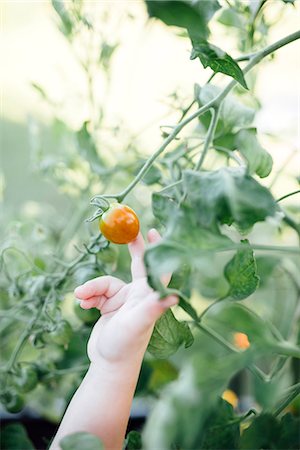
[185, 14]
[221, 429]
[218, 60]
[258, 159]
[177, 418]
[228, 196]
[267, 432]
[169, 335]
[133, 441]
[241, 273]
[77, 441]
[14, 437]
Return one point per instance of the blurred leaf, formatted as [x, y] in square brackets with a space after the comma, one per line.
[133, 441]
[218, 60]
[192, 15]
[14, 437]
[152, 176]
[178, 417]
[241, 273]
[228, 195]
[163, 205]
[265, 267]
[230, 18]
[218, 432]
[163, 371]
[169, 335]
[88, 149]
[106, 54]
[66, 20]
[80, 441]
[259, 160]
[263, 432]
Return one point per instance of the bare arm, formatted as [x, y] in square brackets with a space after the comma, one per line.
[116, 347]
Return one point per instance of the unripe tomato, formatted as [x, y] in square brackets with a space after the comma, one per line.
[26, 377]
[119, 224]
[12, 401]
[60, 335]
[88, 316]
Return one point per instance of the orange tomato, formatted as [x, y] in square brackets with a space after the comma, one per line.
[241, 341]
[119, 224]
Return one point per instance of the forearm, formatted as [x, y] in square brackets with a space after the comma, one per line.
[102, 403]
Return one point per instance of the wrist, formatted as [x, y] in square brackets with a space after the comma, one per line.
[120, 371]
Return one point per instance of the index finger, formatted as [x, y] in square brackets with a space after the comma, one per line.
[136, 250]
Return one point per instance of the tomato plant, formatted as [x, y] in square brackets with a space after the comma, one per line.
[230, 236]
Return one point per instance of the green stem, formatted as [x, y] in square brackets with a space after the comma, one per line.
[209, 136]
[288, 195]
[285, 402]
[215, 102]
[286, 348]
[67, 371]
[22, 341]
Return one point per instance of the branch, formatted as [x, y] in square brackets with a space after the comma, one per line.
[215, 102]
[287, 195]
[209, 136]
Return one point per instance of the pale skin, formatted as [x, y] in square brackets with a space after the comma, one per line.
[116, 348]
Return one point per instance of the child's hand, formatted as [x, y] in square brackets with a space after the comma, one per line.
[128, 311]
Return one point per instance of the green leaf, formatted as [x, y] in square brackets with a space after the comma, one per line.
[259, 160]
[264, 433]
[163, 205]
[192, 15]
[241, 273]
[14, 437]
[81, 440]
[218, 432]
[133, 440]
[218, 60]
[168, 335]
[234, 115]
[228, 195]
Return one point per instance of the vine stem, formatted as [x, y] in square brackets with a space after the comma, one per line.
[214, 103]
[210, 134]
[288, 195]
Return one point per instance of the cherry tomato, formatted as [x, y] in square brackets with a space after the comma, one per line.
[60, 335]
[88, 316]
[119, 224]
[241, 341]
[12, 401]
